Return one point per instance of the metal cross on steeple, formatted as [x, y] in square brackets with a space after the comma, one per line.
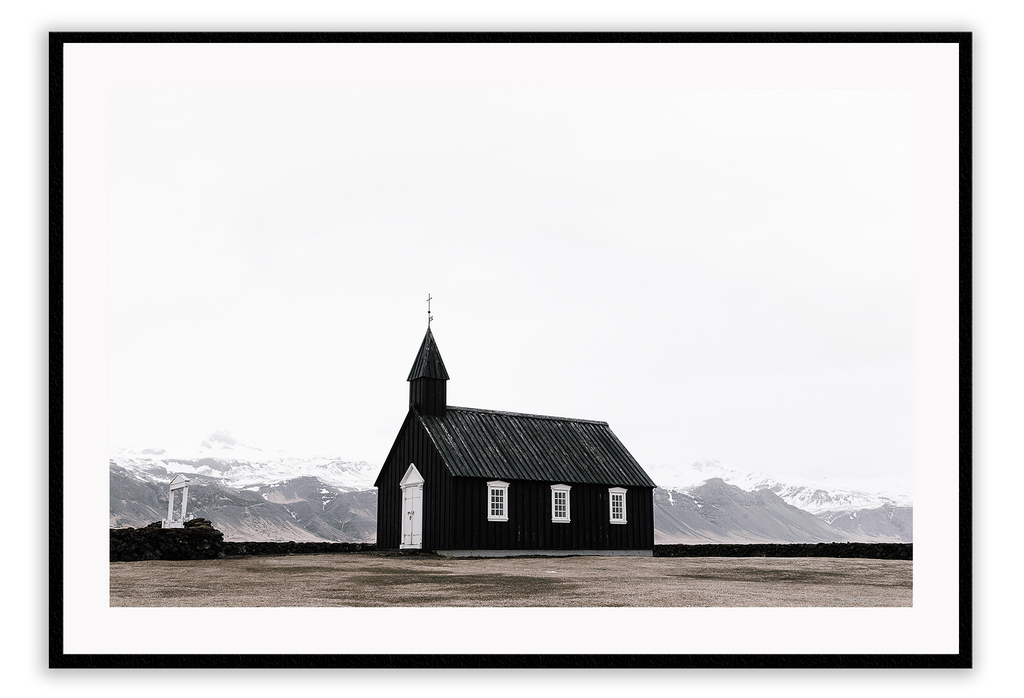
[429, 316]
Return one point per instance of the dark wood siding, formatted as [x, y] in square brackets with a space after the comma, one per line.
[529, 524]
[455, 508]
[413, 446]
[429, 396]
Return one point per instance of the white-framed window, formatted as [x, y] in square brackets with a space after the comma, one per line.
[560, 503]
[497, 500]
[617, 505]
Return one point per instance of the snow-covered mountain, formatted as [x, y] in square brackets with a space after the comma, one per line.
[252, 493]
[862, 511]
[244, 466]
[717, 512]
[822, 498]
[249, 493]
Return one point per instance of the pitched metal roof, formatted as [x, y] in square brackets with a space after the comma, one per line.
[513, 446]
[428, 363]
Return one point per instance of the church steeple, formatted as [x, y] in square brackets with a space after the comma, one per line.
[428, 379]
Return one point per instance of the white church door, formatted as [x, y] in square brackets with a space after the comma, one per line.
[412, 508]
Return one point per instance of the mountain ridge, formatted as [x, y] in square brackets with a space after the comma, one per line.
[255, 494]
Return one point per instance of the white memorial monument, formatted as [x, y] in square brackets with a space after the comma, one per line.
[180, 482]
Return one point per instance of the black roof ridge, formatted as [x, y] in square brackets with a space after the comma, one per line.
[528, 416]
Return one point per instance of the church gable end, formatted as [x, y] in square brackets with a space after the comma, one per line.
[412, 459]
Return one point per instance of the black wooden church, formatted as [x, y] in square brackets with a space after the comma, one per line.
[462, 481]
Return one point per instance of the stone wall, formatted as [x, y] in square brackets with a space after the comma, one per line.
[879, 551]
[232, 549]
[199, 540]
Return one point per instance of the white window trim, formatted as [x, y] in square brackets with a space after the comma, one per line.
[568, 513]
[611, 510]
[497, 485]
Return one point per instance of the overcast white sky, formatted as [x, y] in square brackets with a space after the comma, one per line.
[718, 274]
[742, 252]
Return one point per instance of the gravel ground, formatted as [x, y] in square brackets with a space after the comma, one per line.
[387, 579]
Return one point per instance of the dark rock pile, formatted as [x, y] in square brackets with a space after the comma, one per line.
[198, 540]
[878, 551]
